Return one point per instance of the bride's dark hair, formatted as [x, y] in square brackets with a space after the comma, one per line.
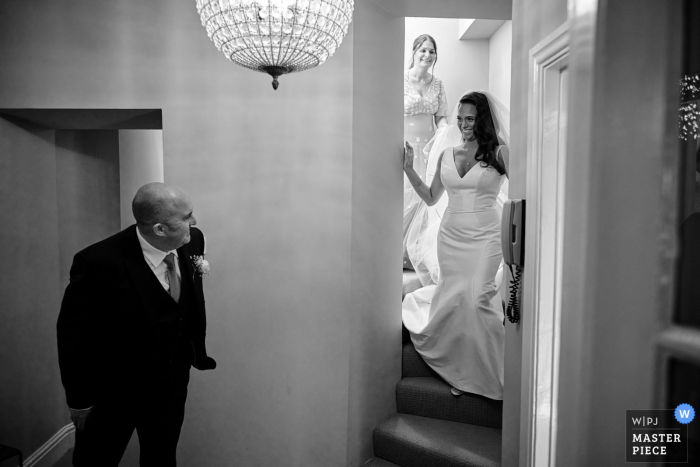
[484, 131]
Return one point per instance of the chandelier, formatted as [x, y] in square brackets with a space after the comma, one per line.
[276, 36]
[689, 110]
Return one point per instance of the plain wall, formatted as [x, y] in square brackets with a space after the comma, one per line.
[87, 183]
[140, 162]
[500, 56]
[377, 199]
[276, 182]
[533, 20]
[32, 405]
[484, 9]
[462, 65]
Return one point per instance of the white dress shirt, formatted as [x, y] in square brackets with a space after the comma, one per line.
[154, 258]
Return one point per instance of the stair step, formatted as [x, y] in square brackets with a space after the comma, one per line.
[413, 441]
[431, 397]
[412, 364]
[377, 462]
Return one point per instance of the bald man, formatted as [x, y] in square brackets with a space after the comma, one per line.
[132, 322]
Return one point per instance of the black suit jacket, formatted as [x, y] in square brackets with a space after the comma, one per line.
[108, 342]
[689, 262]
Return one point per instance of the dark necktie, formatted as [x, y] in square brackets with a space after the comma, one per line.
[171, 272]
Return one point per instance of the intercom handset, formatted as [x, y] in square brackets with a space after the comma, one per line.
[513, 245]
[513, 232]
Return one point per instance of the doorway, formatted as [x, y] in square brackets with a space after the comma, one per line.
[69, 176]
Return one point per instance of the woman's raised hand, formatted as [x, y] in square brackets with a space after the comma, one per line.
[407, 156]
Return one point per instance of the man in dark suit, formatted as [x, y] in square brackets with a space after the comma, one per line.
[132, 322]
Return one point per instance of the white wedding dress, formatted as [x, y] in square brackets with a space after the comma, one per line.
[457, 325]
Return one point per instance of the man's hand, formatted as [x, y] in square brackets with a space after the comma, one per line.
[78, 417]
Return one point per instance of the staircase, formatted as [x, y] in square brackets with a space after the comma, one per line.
[433, 428]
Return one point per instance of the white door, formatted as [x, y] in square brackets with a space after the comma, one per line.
[546, 162]
[623, 343]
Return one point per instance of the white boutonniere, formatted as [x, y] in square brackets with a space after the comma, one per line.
[201, 265]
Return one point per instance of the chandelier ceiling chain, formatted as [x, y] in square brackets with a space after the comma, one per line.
[276, 36]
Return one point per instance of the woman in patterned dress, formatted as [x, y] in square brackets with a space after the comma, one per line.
[425, 111]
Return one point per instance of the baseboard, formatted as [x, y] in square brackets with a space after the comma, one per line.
[53, 449]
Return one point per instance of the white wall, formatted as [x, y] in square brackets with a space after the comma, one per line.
[462, 65]
[140, 162]
[485, 9]
[500, 48]
[374, 321]
[31, 396]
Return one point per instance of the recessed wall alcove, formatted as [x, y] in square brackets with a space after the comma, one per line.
[67, 178]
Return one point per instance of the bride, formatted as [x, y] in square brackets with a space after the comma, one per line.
[457, 325]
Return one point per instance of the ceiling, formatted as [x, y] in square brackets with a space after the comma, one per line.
[479, 28]
[480, 9]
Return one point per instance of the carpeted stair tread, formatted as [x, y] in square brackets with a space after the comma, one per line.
[377, 462]
[412, 364]
[431, 397]
[412, 441]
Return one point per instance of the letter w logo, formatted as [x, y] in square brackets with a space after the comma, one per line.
[684, 413]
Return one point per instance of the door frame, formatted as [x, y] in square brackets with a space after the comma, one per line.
[542, 286]
[619, 253]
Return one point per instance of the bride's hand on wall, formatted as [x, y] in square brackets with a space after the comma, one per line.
[407, 157]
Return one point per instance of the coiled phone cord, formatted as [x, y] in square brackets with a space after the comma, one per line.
[513, 310]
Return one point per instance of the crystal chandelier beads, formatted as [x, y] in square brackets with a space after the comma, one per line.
[276, 36]
[689, 110]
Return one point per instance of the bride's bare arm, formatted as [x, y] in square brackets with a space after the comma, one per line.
[430, 194]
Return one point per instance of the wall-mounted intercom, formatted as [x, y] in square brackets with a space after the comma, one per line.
[513, 245]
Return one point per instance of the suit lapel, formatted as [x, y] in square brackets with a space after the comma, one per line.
[187, 269]
[145, 282]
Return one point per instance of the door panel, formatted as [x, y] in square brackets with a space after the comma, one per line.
[619, 233]
[545, 216]
[679, 353]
